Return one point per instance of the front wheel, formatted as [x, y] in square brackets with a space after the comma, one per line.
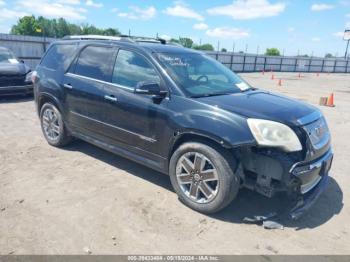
[203, 177]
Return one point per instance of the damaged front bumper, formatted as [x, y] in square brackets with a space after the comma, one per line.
[313, 179]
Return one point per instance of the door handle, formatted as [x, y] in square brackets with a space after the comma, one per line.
[111, 98]
[68, 86]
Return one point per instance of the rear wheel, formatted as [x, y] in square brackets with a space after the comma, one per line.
[203, 177]
[52, 126]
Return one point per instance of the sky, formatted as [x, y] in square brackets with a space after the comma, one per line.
[293, 26]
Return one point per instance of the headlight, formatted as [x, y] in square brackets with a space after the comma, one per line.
[29, 77]
[274, 134]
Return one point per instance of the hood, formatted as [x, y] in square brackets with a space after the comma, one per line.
[263, 105]
[13, 69]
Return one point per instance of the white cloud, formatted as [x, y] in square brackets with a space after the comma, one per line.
[91, 3]
[315, 39]
[69, 2]
[200, 26]
[2, 3]
[338, 34]
[182, 10]
[291, 29]
[227, 32]
[51, 9]
[6, 14]
[321, 7]
[248, 9]
[139, 13]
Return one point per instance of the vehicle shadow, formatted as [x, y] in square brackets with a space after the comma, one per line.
[124, 164]
[250, 204]
[16, 99]
[247, 203]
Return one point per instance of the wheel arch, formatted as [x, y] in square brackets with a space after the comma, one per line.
[45, 98]
[192, 136]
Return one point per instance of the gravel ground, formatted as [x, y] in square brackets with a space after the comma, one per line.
[82, 199]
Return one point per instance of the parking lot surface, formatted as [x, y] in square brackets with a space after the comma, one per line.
[82, 199]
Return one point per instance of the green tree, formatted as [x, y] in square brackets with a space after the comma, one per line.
[329, 55]
[223, 50]
[205, 47]
[111, 32]
[186, 42]
[26, 25]
[30, 25]
[62, 28]
[272, 52]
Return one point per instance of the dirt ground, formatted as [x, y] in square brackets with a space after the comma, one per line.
[81, 198]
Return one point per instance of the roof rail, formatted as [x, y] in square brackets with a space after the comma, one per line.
[91, 37]
[117, 38]
[145, 39]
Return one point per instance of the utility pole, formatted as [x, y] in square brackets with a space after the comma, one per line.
[246, 48]
[257, 50]
[347, 48]
[233, 47]
[346, 38]
[44, 36]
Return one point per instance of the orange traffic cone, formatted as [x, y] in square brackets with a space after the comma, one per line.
[299, 75]
[318, 74]
[263, 72]
[280, 82]
[330, 100]
[272, 77]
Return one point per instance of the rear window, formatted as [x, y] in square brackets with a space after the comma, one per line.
[96, 62]
[59, 56]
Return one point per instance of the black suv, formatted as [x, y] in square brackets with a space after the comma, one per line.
[184, 114]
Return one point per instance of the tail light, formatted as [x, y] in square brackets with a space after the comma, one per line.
[34, 77]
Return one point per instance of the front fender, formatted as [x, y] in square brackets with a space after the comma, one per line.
[228, 129]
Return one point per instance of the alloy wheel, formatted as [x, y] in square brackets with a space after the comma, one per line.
[51, 124]
[197, 177]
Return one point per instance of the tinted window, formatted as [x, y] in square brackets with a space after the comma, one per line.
[95, 62]
[131, 68]
[59, 56]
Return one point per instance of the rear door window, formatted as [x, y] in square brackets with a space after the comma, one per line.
[131, 68]
[96, 62]
[59, 56]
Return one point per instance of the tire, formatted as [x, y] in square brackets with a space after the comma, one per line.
[53, 127]
[223, 184]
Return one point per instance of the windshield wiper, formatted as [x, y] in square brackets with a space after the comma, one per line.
[211, 94]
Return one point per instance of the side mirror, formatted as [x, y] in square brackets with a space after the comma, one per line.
[148, 88]
[21, 61]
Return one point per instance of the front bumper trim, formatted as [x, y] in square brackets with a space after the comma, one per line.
[309, 199]
[313, 188]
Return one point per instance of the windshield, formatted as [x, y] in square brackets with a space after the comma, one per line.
[199, 75]
[6, 56]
